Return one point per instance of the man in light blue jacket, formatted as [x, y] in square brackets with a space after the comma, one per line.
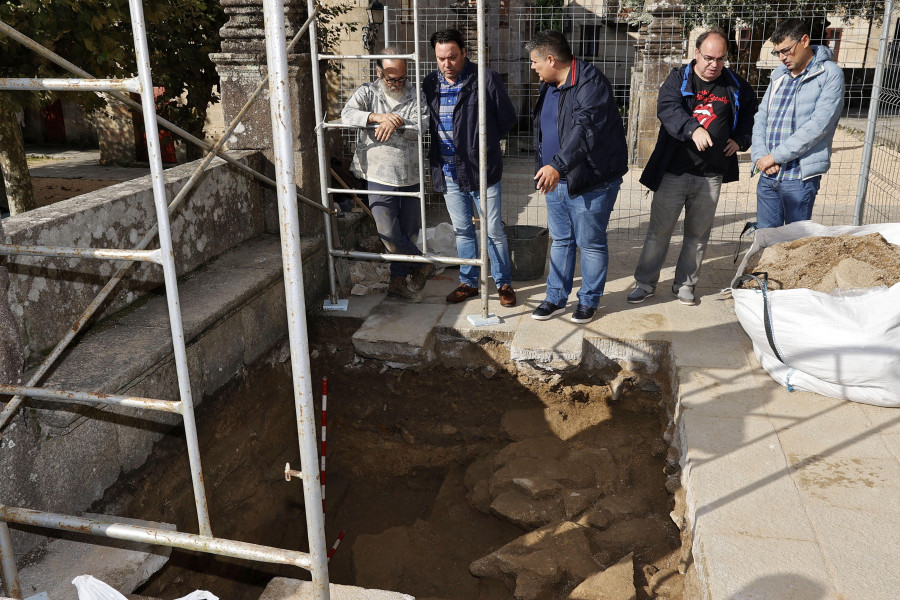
[794, 126]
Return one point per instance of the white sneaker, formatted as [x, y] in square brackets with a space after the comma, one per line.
[686, 296]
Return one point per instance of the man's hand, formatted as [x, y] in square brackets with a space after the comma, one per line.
[546, 179]
[767, 165]
[701, 139]
[731, 147]
[388, 123]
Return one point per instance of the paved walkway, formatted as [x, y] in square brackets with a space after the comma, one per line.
[70, 163]
[792, 496]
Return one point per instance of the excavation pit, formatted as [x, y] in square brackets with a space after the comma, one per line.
[534, 484]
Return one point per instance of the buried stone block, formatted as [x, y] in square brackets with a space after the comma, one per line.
[534, 482]
[540, 560]
[615, 583]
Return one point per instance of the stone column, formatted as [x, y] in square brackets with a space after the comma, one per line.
[241, 66]
[11, 352]
[660, 51]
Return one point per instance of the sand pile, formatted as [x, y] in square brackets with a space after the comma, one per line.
[826, 264]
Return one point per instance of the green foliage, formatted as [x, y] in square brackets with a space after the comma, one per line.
[761, 16]
[96, 35]
[548, 14]
[329, 32]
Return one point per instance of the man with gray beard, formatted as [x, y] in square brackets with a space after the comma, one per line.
[387, 159]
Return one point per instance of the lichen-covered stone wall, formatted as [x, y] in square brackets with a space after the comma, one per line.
[47, 295]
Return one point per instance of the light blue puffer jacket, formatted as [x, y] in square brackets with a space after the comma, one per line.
[817, 107]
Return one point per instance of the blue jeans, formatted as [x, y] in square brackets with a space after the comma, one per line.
[397, 220]
[459, 205]
[698, 196]
[781, 202]
[581, 222]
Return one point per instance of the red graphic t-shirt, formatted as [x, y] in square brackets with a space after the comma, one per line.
[713, 110]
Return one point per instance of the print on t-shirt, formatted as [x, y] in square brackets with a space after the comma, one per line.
[712, 109]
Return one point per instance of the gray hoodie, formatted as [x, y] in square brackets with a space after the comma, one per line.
[396, 161]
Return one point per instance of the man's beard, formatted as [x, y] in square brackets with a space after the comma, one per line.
[391, 93]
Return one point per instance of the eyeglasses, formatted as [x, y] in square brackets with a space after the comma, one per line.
[714, 59]
[785, 51]
[393, 80]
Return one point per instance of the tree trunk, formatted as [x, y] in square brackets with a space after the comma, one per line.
[13, 165]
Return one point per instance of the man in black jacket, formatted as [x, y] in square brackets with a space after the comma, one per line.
[580, 157]
[706, 115]
[452, 96]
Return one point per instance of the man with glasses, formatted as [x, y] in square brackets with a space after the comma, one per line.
[452, 94]
[706, 115]
[387, 159]
[795, 126]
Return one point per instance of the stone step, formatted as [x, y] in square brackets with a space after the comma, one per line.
[282, 588]
[398, 332]
[122, 565]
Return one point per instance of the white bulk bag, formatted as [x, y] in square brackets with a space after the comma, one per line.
[845, 344]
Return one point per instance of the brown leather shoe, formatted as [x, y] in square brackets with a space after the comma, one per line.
[463, 292]
[507, 295]
[420, 276]
[397, 289]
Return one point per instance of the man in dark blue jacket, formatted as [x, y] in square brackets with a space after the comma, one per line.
[452, 96]
[706, 116]
[580, 156]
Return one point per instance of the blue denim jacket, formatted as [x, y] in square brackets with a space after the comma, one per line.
[817, 107]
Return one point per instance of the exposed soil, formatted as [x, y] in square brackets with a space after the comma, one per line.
[48, 190]
[414, 462]
[825, 264]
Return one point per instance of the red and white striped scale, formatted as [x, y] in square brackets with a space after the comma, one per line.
[288, 472]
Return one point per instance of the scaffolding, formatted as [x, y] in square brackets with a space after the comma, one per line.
[322, 126]
[315, 560]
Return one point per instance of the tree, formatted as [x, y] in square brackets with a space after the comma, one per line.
[13, 165]
[758, 19]
[96, 35]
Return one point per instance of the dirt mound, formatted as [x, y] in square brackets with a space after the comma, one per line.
[826, 264]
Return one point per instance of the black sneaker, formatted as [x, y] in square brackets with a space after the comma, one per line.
[583, 314]
[547, 310]
[638, 295]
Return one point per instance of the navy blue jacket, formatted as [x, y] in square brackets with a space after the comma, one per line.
[501, 116]
[675, 109]
[592, 150]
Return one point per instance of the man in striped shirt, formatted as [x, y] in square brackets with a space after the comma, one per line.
[794, 127]
[451, 93]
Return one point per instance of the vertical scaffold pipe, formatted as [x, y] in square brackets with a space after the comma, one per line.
[320, 146]
[872, 119]
[170, 275]
[8, 564]
[482, 158]
[421, 132]
[289, 225]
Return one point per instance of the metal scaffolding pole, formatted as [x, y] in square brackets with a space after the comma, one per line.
[289, 222]
[170, 275]
[323, 160]
[872, 119]
[486, 318]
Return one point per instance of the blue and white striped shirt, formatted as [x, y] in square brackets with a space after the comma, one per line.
[449, 95]
[782, 125]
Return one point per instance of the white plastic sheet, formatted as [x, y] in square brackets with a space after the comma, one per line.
[441, 240]
[845, 344]
[90, 588]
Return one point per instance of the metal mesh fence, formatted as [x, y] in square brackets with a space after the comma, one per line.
[600, 32]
